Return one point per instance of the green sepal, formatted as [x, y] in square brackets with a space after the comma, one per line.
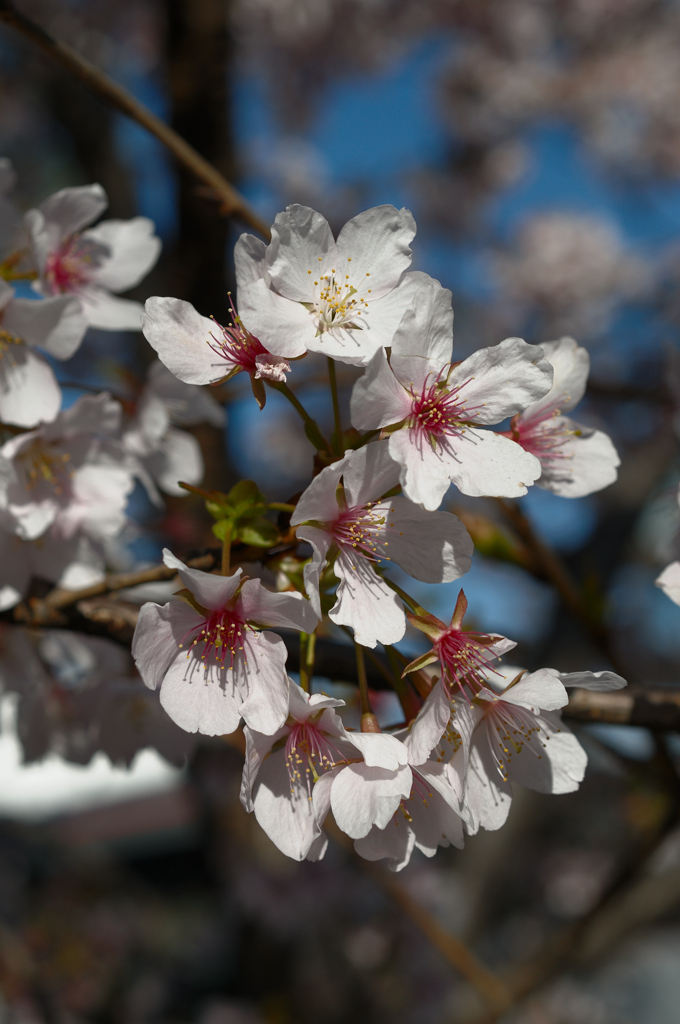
[428, 624]
[422, 662]
[261, 533]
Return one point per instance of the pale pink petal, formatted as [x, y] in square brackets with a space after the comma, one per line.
[571, 366]
[377, 243]
[195, 696]
[394, 843]
[552, 761]
[290, 610]
[29, 392]
[586, 462]
[261, 680]
[488, 795]
[284, 327]
[108, 312]
[363, 796]
[423, 343]
[365, 603]
[502, 380]
[134, 248]
[320, 541]
[299, 237]
[433, 547]
[159, 632]
[271, 367]
[378, 399]
[258, 746]
[536, 690]
[182, 339]
[368, 473]
[429, 726]
[319, 500]
[178, 457]
[487, 464]
[211, 592]
[72, 209]
[669, 581]
[425, 474]
[286, 816]
[601, 681]
[250, 254]
[57, 324]
[187, 404]
[380, 750]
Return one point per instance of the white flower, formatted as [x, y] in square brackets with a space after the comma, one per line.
[433, 408]
[306, 292]
[280, 772]
[669, 581]
[575, 460]
[29, 392]
[112, 257]
[187, 404]
[64, 468]
[359, 529]
[208, 652]
[198, 350]
[428, 818]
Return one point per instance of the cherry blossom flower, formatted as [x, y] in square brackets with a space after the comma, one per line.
[209, 655]
[112, 257]
[575, 460]
[198, 350]
[64, 467]
[281, 770]
[465, 657]
[432, 408]
[310, 293]
[669, 581]
[29, 393]
[359, 530]
[165, 453]
[428, 818]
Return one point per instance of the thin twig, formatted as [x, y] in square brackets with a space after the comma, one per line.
[232, 202]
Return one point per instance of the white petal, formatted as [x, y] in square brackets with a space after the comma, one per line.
[587, 462]
[159, 631]
[287, 817]
[669, 581]
[488, 464]
[429, 726]
[377, 243]
[601, 681]
[536, 690]
[423, 343]
[380, 750]
[487, 795]
[29, 393]
[368, 473]
[284, 327]
[378, 399]
[178, 457]
[134, 248]
[365, 603]
[90, 414]
[72, 209]
[502, 380]
[571, 366]
[258, 747]
[320, 542]
[262, 682]
[394, 843]
[250, 255]
[195, 697]
[363, 796]
[425, 476]
[299, 237]
[108, 312]
[433, 547]
[57, 325]
[182, 339]
[318, 501]
[553, 762]
[211, 592]
[290, 610]
[187, 404]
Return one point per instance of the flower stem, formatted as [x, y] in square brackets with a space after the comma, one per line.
[311, 426]
[280, 506]
[307, 647]
[337, 433]
[226, 550]
[369, 721]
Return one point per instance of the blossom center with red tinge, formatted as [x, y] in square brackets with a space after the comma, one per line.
[364, 528]
[465, 658]
[237, 345]
[543, 437]
[511, 728]
[70, 267]
[309, 754]
[438, 412]
[220, 637]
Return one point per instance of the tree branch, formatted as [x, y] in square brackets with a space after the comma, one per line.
[232, 202]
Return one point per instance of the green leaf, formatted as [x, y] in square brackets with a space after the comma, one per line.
[261, 533]
[245, 492]
[222, 528]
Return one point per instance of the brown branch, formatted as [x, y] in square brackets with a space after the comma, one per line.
[232, 202]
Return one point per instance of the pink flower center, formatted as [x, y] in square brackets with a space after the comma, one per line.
[309, 753]
[511, 728]
[465, 659]
[364, 528]
[438, 412]
[222, 636]
[237, 345]
[71, 266]
[542, 436]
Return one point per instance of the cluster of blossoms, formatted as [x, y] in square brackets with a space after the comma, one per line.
[420, 422]
[67, 470]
